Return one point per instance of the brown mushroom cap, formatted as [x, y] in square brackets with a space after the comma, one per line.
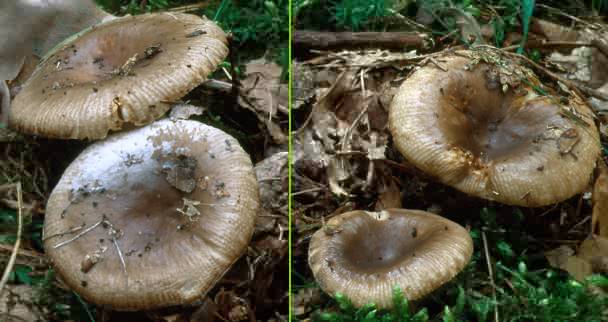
[515, 147]
[364, 255]
[178, 199]
[126, 70]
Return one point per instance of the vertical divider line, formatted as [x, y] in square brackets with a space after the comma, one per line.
[289, 163]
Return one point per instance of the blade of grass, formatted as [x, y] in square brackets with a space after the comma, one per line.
[527, 8]
[220, 9]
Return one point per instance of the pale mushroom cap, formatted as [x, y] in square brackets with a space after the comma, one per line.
[365, 255]
[140, 181]
[123, 71]
[517, 148]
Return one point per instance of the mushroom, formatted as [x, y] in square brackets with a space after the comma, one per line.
[482, 128]
[364, 255]
[123, 72]
[152, 217]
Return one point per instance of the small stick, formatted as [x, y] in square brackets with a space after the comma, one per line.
[73, 230]
[323, 40]
[122, 259]
[63, 243]
[11, 261]
[491, 273]
[301, 192]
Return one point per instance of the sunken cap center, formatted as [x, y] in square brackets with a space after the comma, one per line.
[373, 245]
[476, 116]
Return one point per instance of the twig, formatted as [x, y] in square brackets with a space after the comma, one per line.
[11, 261]
[122, 259]
[63, 243]
[491, 273]
[23, 252]
[552, 44]
[72, 230]
[324, 40]
[190, 7]
[562, 13]
[301, 192]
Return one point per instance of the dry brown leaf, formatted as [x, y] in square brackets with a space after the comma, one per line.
[305, 300]
[553, 31]
[595, 251]
[591, 258]
[272, 180]
[557, 257]
[263, 93]
[17, 304]
[599, 217]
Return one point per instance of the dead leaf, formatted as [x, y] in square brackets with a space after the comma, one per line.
[17, 304]
[553, 31]
[263, 93]
[272, 181]
[591, 258]
[557, 257]
[305, 300]
[595, 251]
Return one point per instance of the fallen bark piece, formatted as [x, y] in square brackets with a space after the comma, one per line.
[324, 40]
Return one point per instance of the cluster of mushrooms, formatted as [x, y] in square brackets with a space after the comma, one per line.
[477, 122]
[155, 215]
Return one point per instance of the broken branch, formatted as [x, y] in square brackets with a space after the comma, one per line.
[305, 39]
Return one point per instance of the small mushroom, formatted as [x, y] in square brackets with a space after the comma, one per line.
[126, 228]
[125, 71]
[461, 122]
[365, 255]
